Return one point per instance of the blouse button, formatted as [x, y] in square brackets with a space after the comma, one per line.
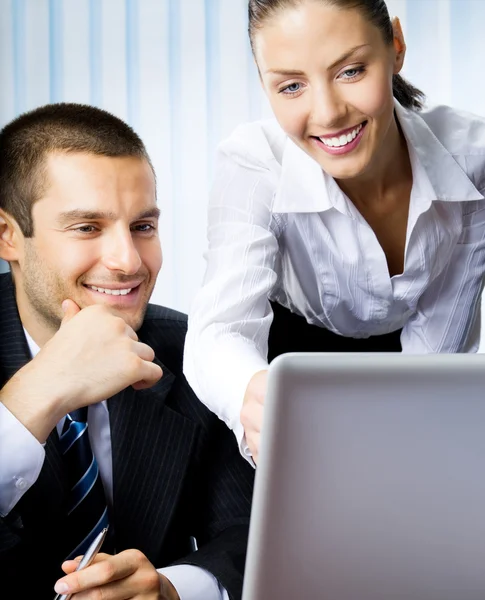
[20, 483]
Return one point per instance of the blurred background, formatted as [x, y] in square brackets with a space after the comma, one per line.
[181, 73]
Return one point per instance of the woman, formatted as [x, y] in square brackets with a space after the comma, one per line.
[352, 222]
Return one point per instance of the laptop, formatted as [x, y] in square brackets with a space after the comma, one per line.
[371, 479]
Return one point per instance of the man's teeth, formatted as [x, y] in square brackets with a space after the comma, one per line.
[343, 140]
[110, 292]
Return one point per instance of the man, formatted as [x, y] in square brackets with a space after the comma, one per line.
[79, 228]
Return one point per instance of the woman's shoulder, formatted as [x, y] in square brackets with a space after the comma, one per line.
[255, 144]
[461, 132]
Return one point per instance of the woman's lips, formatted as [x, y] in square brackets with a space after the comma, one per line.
[344, 147]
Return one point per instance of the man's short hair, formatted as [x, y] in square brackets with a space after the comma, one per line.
[64, 127]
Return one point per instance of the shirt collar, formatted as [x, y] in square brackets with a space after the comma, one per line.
[33, 347]
[305, 187]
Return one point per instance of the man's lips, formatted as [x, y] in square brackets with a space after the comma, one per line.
[114, 289]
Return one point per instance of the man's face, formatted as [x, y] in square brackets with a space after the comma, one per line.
[95, 241]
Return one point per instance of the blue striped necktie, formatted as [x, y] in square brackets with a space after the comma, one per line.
[87, 508]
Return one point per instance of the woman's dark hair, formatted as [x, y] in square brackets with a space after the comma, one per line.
[374, 10]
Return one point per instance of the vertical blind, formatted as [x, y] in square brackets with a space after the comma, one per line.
[181, 73]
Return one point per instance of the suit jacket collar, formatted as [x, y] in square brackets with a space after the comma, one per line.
[14, 354]
[14, 350]
[151, 448]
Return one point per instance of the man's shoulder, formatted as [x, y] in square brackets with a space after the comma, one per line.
[164, 329]
[170, 316]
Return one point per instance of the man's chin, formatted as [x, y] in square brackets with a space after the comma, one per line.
[133, 320]
[132, 317]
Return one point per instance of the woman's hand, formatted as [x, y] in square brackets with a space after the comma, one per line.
[252, 411]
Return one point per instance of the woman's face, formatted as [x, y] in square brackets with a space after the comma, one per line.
[328, 76]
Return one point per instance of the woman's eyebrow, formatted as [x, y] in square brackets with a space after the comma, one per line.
[297, 73]
[346, 56]
[285, 72]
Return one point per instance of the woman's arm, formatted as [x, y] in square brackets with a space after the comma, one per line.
[230, 318]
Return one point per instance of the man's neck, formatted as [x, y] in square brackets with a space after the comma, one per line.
[33, 323]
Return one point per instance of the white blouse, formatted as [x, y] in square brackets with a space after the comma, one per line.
[280, 228]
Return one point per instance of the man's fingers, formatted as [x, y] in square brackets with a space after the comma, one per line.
[131, 333]
[69, 308]
[102, 571]
[144, 351]
[151, 373]
[68, 566]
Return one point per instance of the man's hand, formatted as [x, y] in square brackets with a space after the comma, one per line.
[92, 356]
[252, 411]
[124, 576]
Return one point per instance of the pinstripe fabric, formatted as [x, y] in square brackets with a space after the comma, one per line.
[176, 473]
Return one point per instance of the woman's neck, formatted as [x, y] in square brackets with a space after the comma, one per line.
[388, 176]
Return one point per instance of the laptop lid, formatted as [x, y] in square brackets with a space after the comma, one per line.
[371, 479]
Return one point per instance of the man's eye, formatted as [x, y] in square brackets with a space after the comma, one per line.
[86, 229]
[144, 227]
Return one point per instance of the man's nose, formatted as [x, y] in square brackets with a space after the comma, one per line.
[121, 254]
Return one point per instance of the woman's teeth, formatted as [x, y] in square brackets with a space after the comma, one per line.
[343, 140]
[110, 292]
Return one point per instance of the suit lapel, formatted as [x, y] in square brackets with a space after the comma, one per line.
[151, 447]
[14, 354]
[14, 350]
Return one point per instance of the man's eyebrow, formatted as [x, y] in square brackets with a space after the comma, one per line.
[296, 73]
[151, 213]
[84, 215]
[90, 215]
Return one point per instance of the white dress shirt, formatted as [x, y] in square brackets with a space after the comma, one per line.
[281, 228]
[21, 460]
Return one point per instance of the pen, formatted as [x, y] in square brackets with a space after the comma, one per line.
[88, 558]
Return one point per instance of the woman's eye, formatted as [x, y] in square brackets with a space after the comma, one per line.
[293, 88]
[352, 73]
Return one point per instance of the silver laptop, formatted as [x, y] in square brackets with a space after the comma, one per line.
[371, 480]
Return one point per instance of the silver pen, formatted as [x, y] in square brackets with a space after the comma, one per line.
[88, 558]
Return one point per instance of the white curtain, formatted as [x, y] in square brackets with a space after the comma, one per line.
[181, 73]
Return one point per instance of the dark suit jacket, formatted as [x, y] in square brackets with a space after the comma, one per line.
[177, 473]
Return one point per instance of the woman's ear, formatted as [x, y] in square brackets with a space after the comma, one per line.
[399, 45]
[9, 237]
